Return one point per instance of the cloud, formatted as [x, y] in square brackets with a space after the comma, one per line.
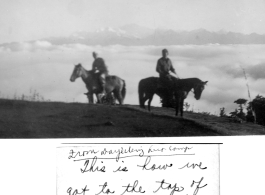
[36, 46]
[256, 72]
[194, 51]
[47, 68]
[27, 46]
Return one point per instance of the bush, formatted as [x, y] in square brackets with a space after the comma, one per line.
[222, 112]
[239, 112]
[258, 105]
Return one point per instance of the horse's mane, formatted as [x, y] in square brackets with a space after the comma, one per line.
[186, 83]
[80, 65]
[191, 79]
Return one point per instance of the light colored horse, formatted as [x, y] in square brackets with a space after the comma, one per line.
[113, 85]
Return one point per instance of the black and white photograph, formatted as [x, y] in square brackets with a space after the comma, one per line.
[133, 75]
[94, 69]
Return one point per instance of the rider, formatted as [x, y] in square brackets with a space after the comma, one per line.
[163, 67]
[100, 66]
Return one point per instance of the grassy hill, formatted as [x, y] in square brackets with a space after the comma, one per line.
[24, 119]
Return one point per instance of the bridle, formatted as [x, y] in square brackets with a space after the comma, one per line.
[193, 89]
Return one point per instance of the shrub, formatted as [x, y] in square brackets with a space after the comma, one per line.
[258, 105]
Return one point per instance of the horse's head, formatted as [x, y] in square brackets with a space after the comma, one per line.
[77, 72]
[198, 88]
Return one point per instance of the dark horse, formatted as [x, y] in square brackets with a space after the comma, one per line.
[113, 85]
[146, 89]
[149, 86]
[182, 87]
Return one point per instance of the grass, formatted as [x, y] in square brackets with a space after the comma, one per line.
[25, 119]
[33, 118]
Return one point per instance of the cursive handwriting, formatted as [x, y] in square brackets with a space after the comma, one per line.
[124, 169]
[156, 149]
[168, 169]
[146, 165]
[75, 192]
[105, 191]
[193, 165]
[171, 148]
[122, 150]
[133, 188]
[92, 167]
[73, 154]
[167, 186]
[197, 186]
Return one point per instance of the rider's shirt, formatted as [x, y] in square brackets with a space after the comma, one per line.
[164, 65]
[99, 65]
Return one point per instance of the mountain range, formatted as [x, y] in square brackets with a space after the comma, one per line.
[134, 35]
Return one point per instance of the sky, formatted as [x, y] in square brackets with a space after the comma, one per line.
[22, 20]
[46, 68]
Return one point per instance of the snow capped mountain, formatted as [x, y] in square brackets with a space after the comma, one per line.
[133, 34]
[116, 31]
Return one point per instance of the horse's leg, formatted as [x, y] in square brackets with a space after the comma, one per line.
[118, 95]
[146, 97]
[149, 101]
[113, 99]
[98, 98]
[87, 95]
[110, 99]
[90, 98]
[142, 100]
[181, 106]
[177, 105]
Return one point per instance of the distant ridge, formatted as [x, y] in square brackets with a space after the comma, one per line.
[133, 35]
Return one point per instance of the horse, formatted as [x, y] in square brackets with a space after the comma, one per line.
[146, 89]
[114, 84]
[149, 86]
[182, 87]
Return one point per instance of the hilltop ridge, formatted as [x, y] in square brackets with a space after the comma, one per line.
[24, 119]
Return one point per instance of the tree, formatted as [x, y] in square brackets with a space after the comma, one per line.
[222, 112]
[240, 112]
[258, 105]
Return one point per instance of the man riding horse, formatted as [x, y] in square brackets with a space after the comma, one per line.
[163, 67]
[100, 66]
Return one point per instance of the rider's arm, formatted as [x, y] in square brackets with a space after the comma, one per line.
[171, 66]
[158, 67]
[94, 67]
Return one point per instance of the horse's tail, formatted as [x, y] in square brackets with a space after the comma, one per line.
[141, 94]
[123, 91]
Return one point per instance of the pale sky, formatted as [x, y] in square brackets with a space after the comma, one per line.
[22, 20]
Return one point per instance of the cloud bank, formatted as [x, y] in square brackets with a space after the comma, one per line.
[47, 68]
